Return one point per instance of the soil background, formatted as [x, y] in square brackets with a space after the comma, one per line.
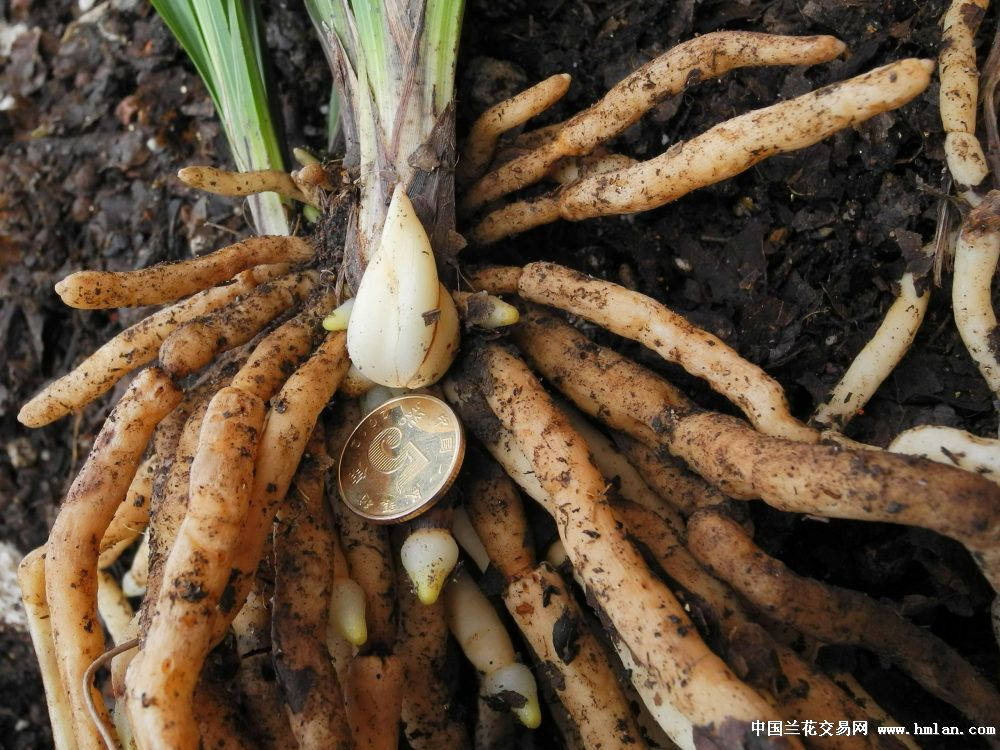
[793, 263]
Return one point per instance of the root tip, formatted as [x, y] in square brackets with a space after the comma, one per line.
[31, 415]
[837, 47]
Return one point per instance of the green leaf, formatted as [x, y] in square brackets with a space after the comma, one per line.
[440, 43]
[333, 118]
[373, 53]
[405, 71]
[224, 41]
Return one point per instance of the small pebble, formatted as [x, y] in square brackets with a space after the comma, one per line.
[21, 453]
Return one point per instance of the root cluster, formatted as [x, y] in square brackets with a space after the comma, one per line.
[654, 620]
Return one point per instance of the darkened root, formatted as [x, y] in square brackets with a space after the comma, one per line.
[568, 655]
[233, 488]
[837, 615]
[718, 154]
[644, 619]
[801, 690]
[303, 547]
[195, 573]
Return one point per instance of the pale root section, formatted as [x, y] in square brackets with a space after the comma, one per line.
[951, 446]
[738, 144]
[642, 319]
[878, 358]
[705, 57]
[498, 119]
[167, 282]
[976, 257]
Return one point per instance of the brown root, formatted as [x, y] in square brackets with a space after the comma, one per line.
[74, 542]
[290, 422]
[166, 282]
[374, 693]
[837, 615]
[236, 184]
[571, 658]
[366, 548]
[825, 480]
[641, 614]
[422, 648]
[131, 349]
[162, 678]
[303, 552]
[193, 345]
[281, 351]
[800, 690]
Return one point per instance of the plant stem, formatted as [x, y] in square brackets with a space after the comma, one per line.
[394, 65]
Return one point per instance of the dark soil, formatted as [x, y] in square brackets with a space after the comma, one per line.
[793, 262]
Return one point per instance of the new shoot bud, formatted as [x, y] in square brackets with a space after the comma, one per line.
[486, 643]
[347, 611]
[483, 310]
[516, 678]
[304, 157]
[339, 318]
[428, 556]
[403, 331]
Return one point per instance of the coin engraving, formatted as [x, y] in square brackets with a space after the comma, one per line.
[386, 456]
[401, 458]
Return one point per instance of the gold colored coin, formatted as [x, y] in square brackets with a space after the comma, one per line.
[401, 459]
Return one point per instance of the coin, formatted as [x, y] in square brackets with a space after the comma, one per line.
[401, 458]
